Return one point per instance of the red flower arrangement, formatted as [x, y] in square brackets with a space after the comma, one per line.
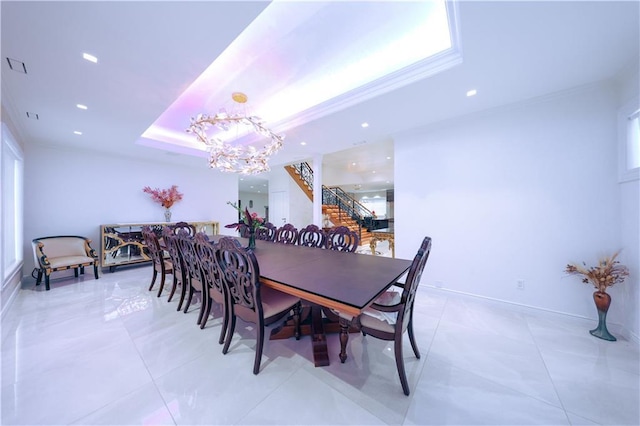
[166, 197]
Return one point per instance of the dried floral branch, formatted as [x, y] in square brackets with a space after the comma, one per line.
[166, 197]
[608, 272]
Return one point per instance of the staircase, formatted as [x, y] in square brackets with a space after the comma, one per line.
[340, 207]
[339, 218]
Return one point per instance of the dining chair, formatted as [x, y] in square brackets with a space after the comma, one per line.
[211, 280]
[190, 229]
[341, 238]
[248, 299]
[161, 265]
[169, 236]
[392, 314]
[287, 234]
[193, 274]
[266, 232]
[312, 236]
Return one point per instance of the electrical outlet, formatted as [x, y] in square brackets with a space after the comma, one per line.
[520, 284]
[439, 284]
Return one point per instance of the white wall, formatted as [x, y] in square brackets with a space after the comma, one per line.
[297, 208]
[516, 193]
[72, 192]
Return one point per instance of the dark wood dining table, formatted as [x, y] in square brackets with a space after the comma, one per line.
[344, 282]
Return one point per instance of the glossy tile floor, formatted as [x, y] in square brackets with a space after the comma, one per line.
[109, 352]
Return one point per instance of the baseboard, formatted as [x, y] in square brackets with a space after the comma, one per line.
[615, 327]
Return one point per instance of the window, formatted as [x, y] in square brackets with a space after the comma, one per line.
[11, 165]
[629, 134]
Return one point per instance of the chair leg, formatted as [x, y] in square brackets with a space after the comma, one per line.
[75, 272]
[412, 339]
[39, 279]
[230, 331]
[400, 364]
[162, 279]
[82, 270]
[344, 338]
[153, 279]
[46, 281]
[95, 271]
[225, 324]
[259, 346]
[189, 299]
[183, 293]
[174, 286]
[205, 310]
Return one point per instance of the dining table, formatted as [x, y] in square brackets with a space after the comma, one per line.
[345, 283]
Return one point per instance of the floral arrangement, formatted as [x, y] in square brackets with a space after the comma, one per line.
[251, 220]
[608, 272]
[166, 197]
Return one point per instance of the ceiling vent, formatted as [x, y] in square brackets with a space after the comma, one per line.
[17, 66]
[33, 116]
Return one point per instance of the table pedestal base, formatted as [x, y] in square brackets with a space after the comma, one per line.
[313, 324]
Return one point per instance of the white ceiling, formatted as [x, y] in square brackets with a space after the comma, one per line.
[150, 52]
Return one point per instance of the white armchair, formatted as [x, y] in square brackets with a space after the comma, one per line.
[63, 252]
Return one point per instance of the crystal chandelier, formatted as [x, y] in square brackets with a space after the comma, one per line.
[245, 159]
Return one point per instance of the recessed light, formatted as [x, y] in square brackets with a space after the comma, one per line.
[472, 92]
[77, 132]
[388, 158]
[303, 143]
[365, 125]
[353, 164]
[81, 106]
[90, 58]
[373, 171]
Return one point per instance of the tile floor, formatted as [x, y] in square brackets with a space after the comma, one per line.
[109, 352]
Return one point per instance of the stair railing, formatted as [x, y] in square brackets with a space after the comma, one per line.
[347, 205]
[306, 173]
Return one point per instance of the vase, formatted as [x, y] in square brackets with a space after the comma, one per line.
[167, 215]
[252, 239]
[603, 301]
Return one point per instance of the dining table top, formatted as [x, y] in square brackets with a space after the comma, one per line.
[347, 282]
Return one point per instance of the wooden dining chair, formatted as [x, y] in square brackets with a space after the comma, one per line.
[161, 265]
[248, 299]
[389, 317]
[287, 234]
[188, 228]
[341, 238]
[169, 236]
[266, 232]
[312, 236]
[212, 281]
[193, 274]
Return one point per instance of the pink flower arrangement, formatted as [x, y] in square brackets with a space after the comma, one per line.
[166, 197]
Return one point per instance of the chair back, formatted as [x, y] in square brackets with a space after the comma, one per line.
[211, 274]
[190, 229]
[241, 277]
[412, 281]
[155, 251]
[311, 236]
[171, 243]
[187, 248]
[287, 234]
[267, 232]
[342, 238]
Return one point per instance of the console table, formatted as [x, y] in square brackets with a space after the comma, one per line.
[123, 244]
[382, 235]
